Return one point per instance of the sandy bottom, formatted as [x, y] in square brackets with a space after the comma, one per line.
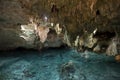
[57, 64]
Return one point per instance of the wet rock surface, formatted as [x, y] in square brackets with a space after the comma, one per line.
[57, 64]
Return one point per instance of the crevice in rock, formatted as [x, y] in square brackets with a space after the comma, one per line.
[98, 13]
[105, 35]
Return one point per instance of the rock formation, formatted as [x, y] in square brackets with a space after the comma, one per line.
[96, 22]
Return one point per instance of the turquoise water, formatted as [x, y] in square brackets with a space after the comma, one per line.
[57, 64]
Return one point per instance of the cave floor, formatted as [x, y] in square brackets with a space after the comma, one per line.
[48, 65]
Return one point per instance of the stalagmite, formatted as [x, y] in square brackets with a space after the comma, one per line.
[66, 39]
[77, 41]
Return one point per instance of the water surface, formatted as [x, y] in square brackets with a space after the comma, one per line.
[48, 64]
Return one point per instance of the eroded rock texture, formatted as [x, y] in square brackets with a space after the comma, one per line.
[86, 24]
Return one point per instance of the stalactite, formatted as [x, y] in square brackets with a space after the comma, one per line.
[42, 32]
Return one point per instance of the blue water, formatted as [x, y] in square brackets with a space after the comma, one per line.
[47, 65]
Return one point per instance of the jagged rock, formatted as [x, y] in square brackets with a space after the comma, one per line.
[67, 38]
[97, 48]
[80, 18]
[58, 29]
[54, 40]
[29, 35]
[112, 49]
[43, 32]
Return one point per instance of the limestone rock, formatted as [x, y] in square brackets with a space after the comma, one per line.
[28, 34]
[58, 29]
[79, 17]
[43, 32]
[54, 40]
[10, 39]
[112, 49]
[97, 48]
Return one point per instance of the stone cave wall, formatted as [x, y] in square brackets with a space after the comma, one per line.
[94, 23]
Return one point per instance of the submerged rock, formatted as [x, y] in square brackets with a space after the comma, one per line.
[70, 71]
[67, 71]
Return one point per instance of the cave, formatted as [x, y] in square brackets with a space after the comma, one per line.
[59, 39]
